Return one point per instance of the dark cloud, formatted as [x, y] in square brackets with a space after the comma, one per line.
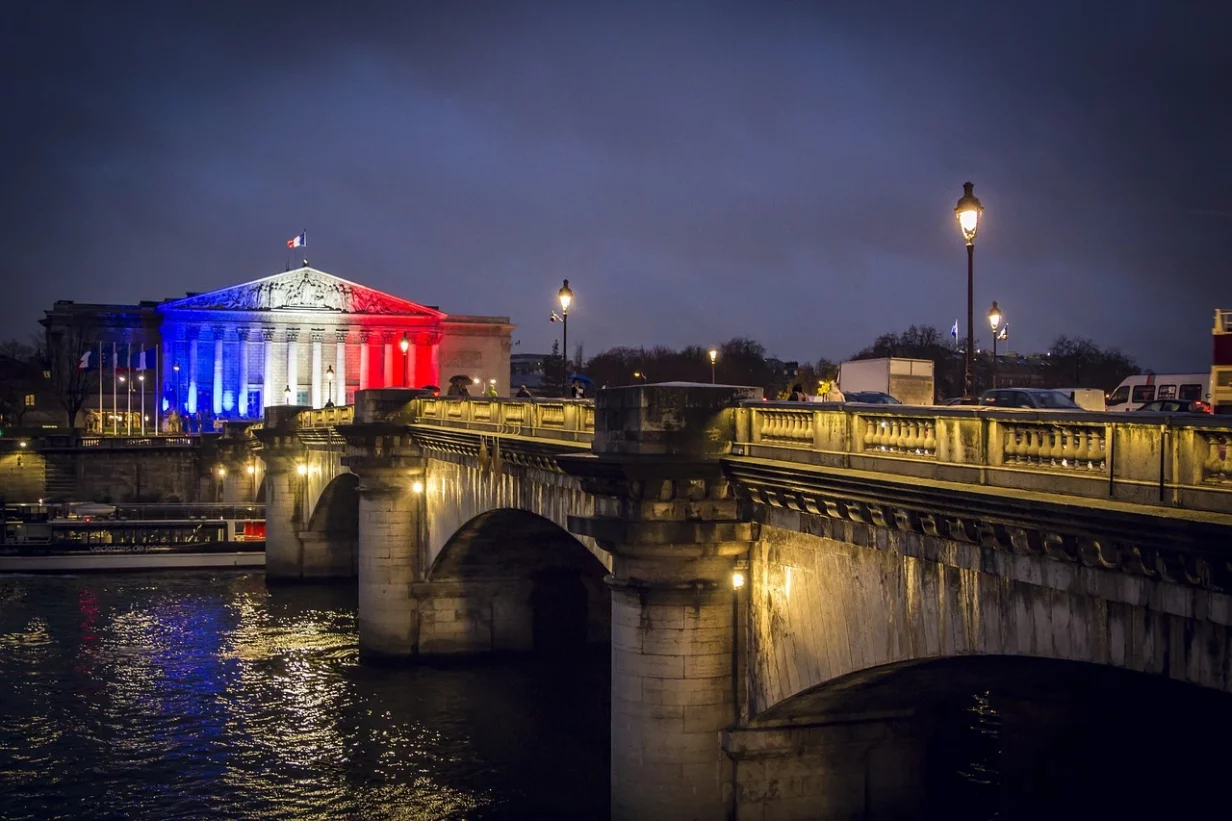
[698, 170]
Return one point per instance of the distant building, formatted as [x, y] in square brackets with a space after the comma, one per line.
[529, 369]
[303, 337]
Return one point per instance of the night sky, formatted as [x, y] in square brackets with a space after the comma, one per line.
[785, 171]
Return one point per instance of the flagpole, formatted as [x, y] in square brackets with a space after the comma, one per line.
[115, 410]
[102, 424]
[143, 391]
[128, 394]
[158, 383]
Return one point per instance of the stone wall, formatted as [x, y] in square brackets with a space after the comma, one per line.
[22, 476]
[832, 598]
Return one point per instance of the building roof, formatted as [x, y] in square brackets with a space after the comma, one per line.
[304, 290]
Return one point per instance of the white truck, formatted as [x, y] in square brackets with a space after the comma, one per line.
[910, 381]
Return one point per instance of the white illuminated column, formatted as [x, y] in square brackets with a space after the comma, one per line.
[268, 396]
[217, 403]
[364, 362]
[192, 376]
[317, 372]
[340, 370]
[292, 367]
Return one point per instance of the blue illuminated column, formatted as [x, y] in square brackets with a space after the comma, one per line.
[192, 372]
[218, 332]
[243, 393]
[269, 391]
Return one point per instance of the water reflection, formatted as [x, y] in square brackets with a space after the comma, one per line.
[207, 695]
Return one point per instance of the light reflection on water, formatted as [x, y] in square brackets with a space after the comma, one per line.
[195, 695]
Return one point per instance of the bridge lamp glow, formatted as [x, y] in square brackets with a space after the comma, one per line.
[21, 444]
[301, 469]
[222, 472]
[737, 580]
[251, 469]
[565, 294]
[416, 487]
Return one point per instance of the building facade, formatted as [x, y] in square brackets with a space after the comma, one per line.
[303, 337]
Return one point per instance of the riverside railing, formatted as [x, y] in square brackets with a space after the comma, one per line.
[570, 420]
[1180, 461]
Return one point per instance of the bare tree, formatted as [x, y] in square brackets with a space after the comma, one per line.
[66, 348]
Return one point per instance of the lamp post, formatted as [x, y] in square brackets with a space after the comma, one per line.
[286, 396]
[404, 345]
[128, 399]
[566, 297]
[640, 375]
[714, 357]
[141, 379]
[176, 369]
[968, 212]
[329, 386]
[994, 320]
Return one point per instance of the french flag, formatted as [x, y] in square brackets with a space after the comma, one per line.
[298, 242]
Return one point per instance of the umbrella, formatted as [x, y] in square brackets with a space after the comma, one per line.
[585, 380]
[435, 390]
[453, 380]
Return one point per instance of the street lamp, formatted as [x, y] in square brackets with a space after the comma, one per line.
[640, 375]
[404, 345]
[329, 386]
[176, 368]
[968, 212]
[994, 321]
[141, 379]
[566, 297]
[128, 398]
[714, 356]
[286, 395]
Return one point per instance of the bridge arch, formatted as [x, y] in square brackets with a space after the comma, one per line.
[984, 736]
[521, 582]
[330, 537]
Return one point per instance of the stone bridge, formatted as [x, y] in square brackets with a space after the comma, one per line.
[784, 586]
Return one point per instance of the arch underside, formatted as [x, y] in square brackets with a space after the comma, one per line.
[337, 508]
[510, 543]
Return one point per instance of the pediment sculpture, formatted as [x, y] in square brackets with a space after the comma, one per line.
[303, 290]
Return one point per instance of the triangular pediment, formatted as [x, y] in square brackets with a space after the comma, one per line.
[302, 290]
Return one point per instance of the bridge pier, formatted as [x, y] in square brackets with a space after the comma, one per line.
[392, 542]
[673, 526]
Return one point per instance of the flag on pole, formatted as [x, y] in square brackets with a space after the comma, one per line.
[954, 330]
[87, 362]
[298, 242]
[1005, 333]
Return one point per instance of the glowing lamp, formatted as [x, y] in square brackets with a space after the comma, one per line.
[301, 469]
[566, 296]
[968, 212]
[252, 469]
[737, 580]
[405, 343]
[222, 471]
[417, 487]
[714, 355]
[994, 316]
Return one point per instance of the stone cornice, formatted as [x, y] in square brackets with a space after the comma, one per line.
[1184, 547]
[534, 453]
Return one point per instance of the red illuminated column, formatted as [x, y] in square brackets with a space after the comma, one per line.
[388, 373]
[412, 364]
[364, 364]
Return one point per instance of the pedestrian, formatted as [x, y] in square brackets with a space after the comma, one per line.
[797, 394]
[577, 391]
[523, 393]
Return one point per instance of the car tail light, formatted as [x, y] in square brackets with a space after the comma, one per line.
[1204, 407]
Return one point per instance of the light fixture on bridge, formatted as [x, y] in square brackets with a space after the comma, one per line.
[968, 212]
[251, 469]
[286, 395]
[329, 386]
[22, 443]
[565, 295]
[994, 321]
[714, 357]
[639, 375]
[222, 472]
[416, 487]
[301, 469]
[737, 580]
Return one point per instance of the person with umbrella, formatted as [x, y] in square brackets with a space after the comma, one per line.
[579, 384]
[457, 385]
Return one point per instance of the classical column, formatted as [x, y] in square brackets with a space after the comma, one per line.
[676, 537]
[292, 367]
[387, 378]
[340, 377]
[364, 342]
[435, 358]
[317, 371]
[217, 403]
[192, 373]
[243, 393]
[269, 393]
[392, 538]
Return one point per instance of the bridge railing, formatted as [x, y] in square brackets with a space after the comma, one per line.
[1177, 461]
[571, 420]
[326, 417]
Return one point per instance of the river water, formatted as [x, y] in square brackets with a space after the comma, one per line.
[209, 695]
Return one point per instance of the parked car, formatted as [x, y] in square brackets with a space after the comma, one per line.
[1176, 406]
[870, 397]
[1092, 399]
[1029, 398]
[961, 400]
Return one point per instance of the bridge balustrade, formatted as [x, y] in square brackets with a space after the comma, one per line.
[1182, 462]
[571, 420]
[326, 417]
